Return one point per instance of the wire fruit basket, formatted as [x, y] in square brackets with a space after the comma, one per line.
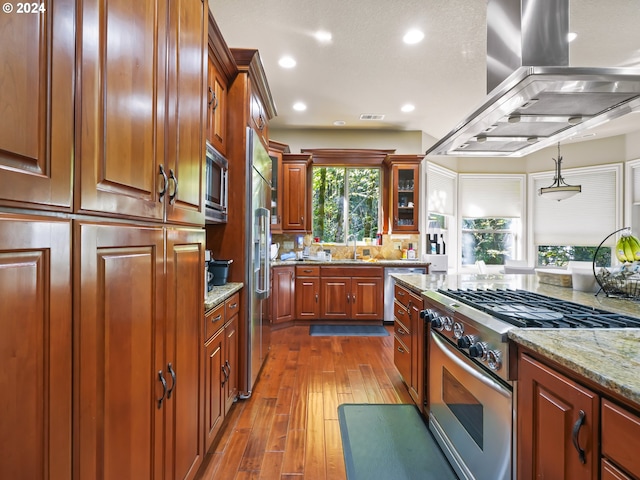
[623, 282]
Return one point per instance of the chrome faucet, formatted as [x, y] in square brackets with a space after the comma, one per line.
[353, 236]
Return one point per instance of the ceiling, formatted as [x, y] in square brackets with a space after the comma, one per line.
[367, 69]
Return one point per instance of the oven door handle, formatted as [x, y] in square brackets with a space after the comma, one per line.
[476, 372]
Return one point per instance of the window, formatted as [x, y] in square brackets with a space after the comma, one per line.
[489, 239]
[560, 255]
[345, 201]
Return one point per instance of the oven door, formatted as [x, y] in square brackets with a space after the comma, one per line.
[216, 187]
[471, 414]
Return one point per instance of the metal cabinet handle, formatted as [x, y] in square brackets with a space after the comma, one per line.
[172, 197]
[233, 305]
[316, 298]
[224, 380]
[307, 271]
[213, 100]
[401, 350]
[348, 298]
[574, 436]
[401, 294]
[164, 388]
[173, 377]
[162, 192]
[216, 318]
[226, 363]
[401, 331]
[400, 312]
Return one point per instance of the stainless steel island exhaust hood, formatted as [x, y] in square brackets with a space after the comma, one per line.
[535, 99]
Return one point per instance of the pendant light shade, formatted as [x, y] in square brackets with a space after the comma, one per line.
[559, 189]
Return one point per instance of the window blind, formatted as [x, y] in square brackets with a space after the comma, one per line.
[582, 220]
[441, 190]
[491, 196]
[635, 185]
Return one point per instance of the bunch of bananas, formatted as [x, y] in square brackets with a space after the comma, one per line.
[628, 248]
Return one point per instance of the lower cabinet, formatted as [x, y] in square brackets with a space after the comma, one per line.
[283, 294]
[307, 294]
[221, 360]
[351, 293]
[35, 347]
[619, 434]
[409, 344]
[558, 422]
[137, 315]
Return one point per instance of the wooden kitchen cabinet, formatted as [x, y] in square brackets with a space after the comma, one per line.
[216, 106]
[141, 116]
[296, 176]
[404, 193]
[276, 150]
[37, 121]
[283, 294]
[307, 297]
[35, 347]
[351, 293]
[409, 331]
[620, 430]
[232, 309]
[555, 416]
[138, 344]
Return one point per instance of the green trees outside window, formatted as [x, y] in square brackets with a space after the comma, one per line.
[345, 201]
[489, 239]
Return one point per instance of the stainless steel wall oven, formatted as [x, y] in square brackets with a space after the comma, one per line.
[216, 194]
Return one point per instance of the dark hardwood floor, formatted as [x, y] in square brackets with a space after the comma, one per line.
[289, 429]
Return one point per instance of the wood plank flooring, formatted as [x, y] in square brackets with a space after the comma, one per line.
[289, 428]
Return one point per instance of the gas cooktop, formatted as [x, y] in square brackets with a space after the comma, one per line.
[531, 310]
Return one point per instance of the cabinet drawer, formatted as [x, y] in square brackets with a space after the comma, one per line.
[232, 306]
[213, 321]
[401, 314]
[620, 433]
[307, 271]
[402, 359]
[608, 471]
[401, 294]
[402, 332]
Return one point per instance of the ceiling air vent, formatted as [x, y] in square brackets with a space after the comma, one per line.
[371, 116]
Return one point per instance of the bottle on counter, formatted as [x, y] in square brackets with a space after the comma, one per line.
[404, 253]
[379, 238]
[411, 253]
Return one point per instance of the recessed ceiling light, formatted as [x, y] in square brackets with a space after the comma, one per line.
[413, 36]
[571, 36]
[299, 106]
[287, 62]
[339, 123]
[323, 36]
[408, 108]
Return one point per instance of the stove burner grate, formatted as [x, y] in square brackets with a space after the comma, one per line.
[532, 310]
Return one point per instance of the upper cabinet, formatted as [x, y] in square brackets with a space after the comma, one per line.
[141, 114]
[404, 193]
[276, 150]
[220, 73]
[37, 119]
[296, 176]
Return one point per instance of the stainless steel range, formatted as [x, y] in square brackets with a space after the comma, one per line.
[470, 394]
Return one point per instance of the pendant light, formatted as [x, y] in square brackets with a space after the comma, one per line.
[559, 189]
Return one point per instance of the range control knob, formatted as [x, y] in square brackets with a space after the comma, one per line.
[466, 341]
[427, 314]
[447, 322]
[458, 330]
[478, 350]
[437, 323]
[494, 359]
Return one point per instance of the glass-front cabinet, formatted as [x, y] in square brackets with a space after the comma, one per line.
[405, 190]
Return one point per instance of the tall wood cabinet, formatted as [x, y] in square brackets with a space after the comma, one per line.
[404, 193]
[35, 347]
[276, 151]
[296, 176]
[138, 373]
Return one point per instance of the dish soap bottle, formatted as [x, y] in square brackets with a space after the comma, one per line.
[411, 253]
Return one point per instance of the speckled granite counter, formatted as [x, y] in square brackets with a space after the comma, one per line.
[609, 357]
[219, 294]
[338, 262]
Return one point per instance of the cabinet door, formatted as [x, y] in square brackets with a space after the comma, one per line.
[231, 362]
[416, 387]
[122, 108]
[37, 120]
[216, 107]
[214, 386]
[184, 359]
[367, 298]
[335, 298]
[119, 367]
[307, 298]
[35, 347]
[295, 197]
[405, 198]
[283, 294]
[258, 119]
[551, 408]
[276, 191]
[186, 87]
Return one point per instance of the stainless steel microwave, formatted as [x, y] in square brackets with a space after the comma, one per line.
[216, 189]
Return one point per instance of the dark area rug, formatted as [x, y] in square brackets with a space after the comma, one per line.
[389, 442]
[348, 330]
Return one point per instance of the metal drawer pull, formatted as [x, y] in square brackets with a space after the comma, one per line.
[172, 176]
[400, 312]
[164, 387]
[226, 362]
[224, 373]
[401, 331]
[162, 192]
[307, 271]
[173, 377]
[401, 350]
[316, 298]
[574, 436]
[215, 319]
[233, 305]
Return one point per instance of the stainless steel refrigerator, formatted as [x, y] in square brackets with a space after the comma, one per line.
[257, 251]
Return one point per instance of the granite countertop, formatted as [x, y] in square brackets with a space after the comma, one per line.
[608, 357]
[219, 294]
[347, 261]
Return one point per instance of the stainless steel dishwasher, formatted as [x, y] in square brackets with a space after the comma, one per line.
[388, 287]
